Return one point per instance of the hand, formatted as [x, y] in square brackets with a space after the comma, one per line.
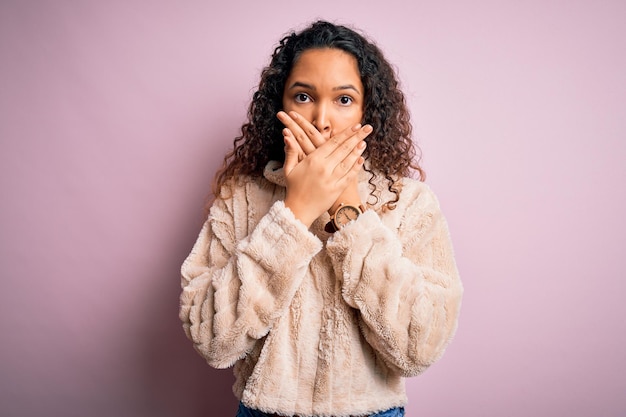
[308, 138]
[318, 171]
[301, 131]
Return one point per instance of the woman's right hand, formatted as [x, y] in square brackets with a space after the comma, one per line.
[318, 171]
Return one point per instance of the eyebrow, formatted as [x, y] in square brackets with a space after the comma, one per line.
[312, 87]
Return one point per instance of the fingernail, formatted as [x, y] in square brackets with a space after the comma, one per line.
[361, 145]
[356, 127]
[293, 115]
[368, 129]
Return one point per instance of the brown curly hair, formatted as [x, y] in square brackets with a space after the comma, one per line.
[390, 150]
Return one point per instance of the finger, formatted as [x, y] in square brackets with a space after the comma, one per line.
[351, 174]
[298, 133]
[308, 128]
[346, 133]
[351, 161]
[293, 143]
[292, 150]
[338, 147]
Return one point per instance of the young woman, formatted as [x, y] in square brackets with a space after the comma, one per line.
[324, 273]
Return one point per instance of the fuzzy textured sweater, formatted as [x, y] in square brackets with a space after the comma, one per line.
[319, 324]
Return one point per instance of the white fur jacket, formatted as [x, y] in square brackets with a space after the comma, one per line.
[318, 324]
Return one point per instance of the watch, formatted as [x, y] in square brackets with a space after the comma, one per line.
[344, 215]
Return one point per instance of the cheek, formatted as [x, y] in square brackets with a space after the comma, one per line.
[286, 105]
[349, 119]
[360, 116]
[304, 111]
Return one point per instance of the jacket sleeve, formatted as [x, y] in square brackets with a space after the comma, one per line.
[237, 282]
[404, 283]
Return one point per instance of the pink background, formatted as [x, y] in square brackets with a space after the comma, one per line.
[115, 115]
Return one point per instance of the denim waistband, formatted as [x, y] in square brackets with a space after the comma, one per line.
[250, 412]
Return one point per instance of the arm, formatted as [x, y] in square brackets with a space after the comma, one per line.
[404, 283]
[236, 282]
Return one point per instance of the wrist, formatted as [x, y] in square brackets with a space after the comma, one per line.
[344, 214]
[301, 213]
[348, 198]
[333, 209]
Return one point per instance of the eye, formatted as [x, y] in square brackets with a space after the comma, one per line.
[302, 98]
[345, 100]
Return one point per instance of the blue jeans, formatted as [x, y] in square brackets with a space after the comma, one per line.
[249, 412]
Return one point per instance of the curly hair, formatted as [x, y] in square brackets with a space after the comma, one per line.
[390, 150]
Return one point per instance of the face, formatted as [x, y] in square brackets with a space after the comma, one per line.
[326, 89]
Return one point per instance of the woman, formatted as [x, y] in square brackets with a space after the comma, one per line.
[324, 274]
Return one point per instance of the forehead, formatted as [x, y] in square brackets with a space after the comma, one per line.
[328, 64]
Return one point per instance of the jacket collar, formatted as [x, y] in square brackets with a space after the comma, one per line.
[274, 173]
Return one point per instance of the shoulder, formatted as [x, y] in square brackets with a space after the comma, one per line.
[242, 184]
[417, 210]
[411, 193]
[236, 194]
[407, 190]
[244, 201]
[417, 192]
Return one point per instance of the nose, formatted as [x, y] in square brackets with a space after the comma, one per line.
[321, 119]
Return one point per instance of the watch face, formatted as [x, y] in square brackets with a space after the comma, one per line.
[345, 215]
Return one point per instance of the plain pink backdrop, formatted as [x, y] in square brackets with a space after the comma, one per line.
[115, 115]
